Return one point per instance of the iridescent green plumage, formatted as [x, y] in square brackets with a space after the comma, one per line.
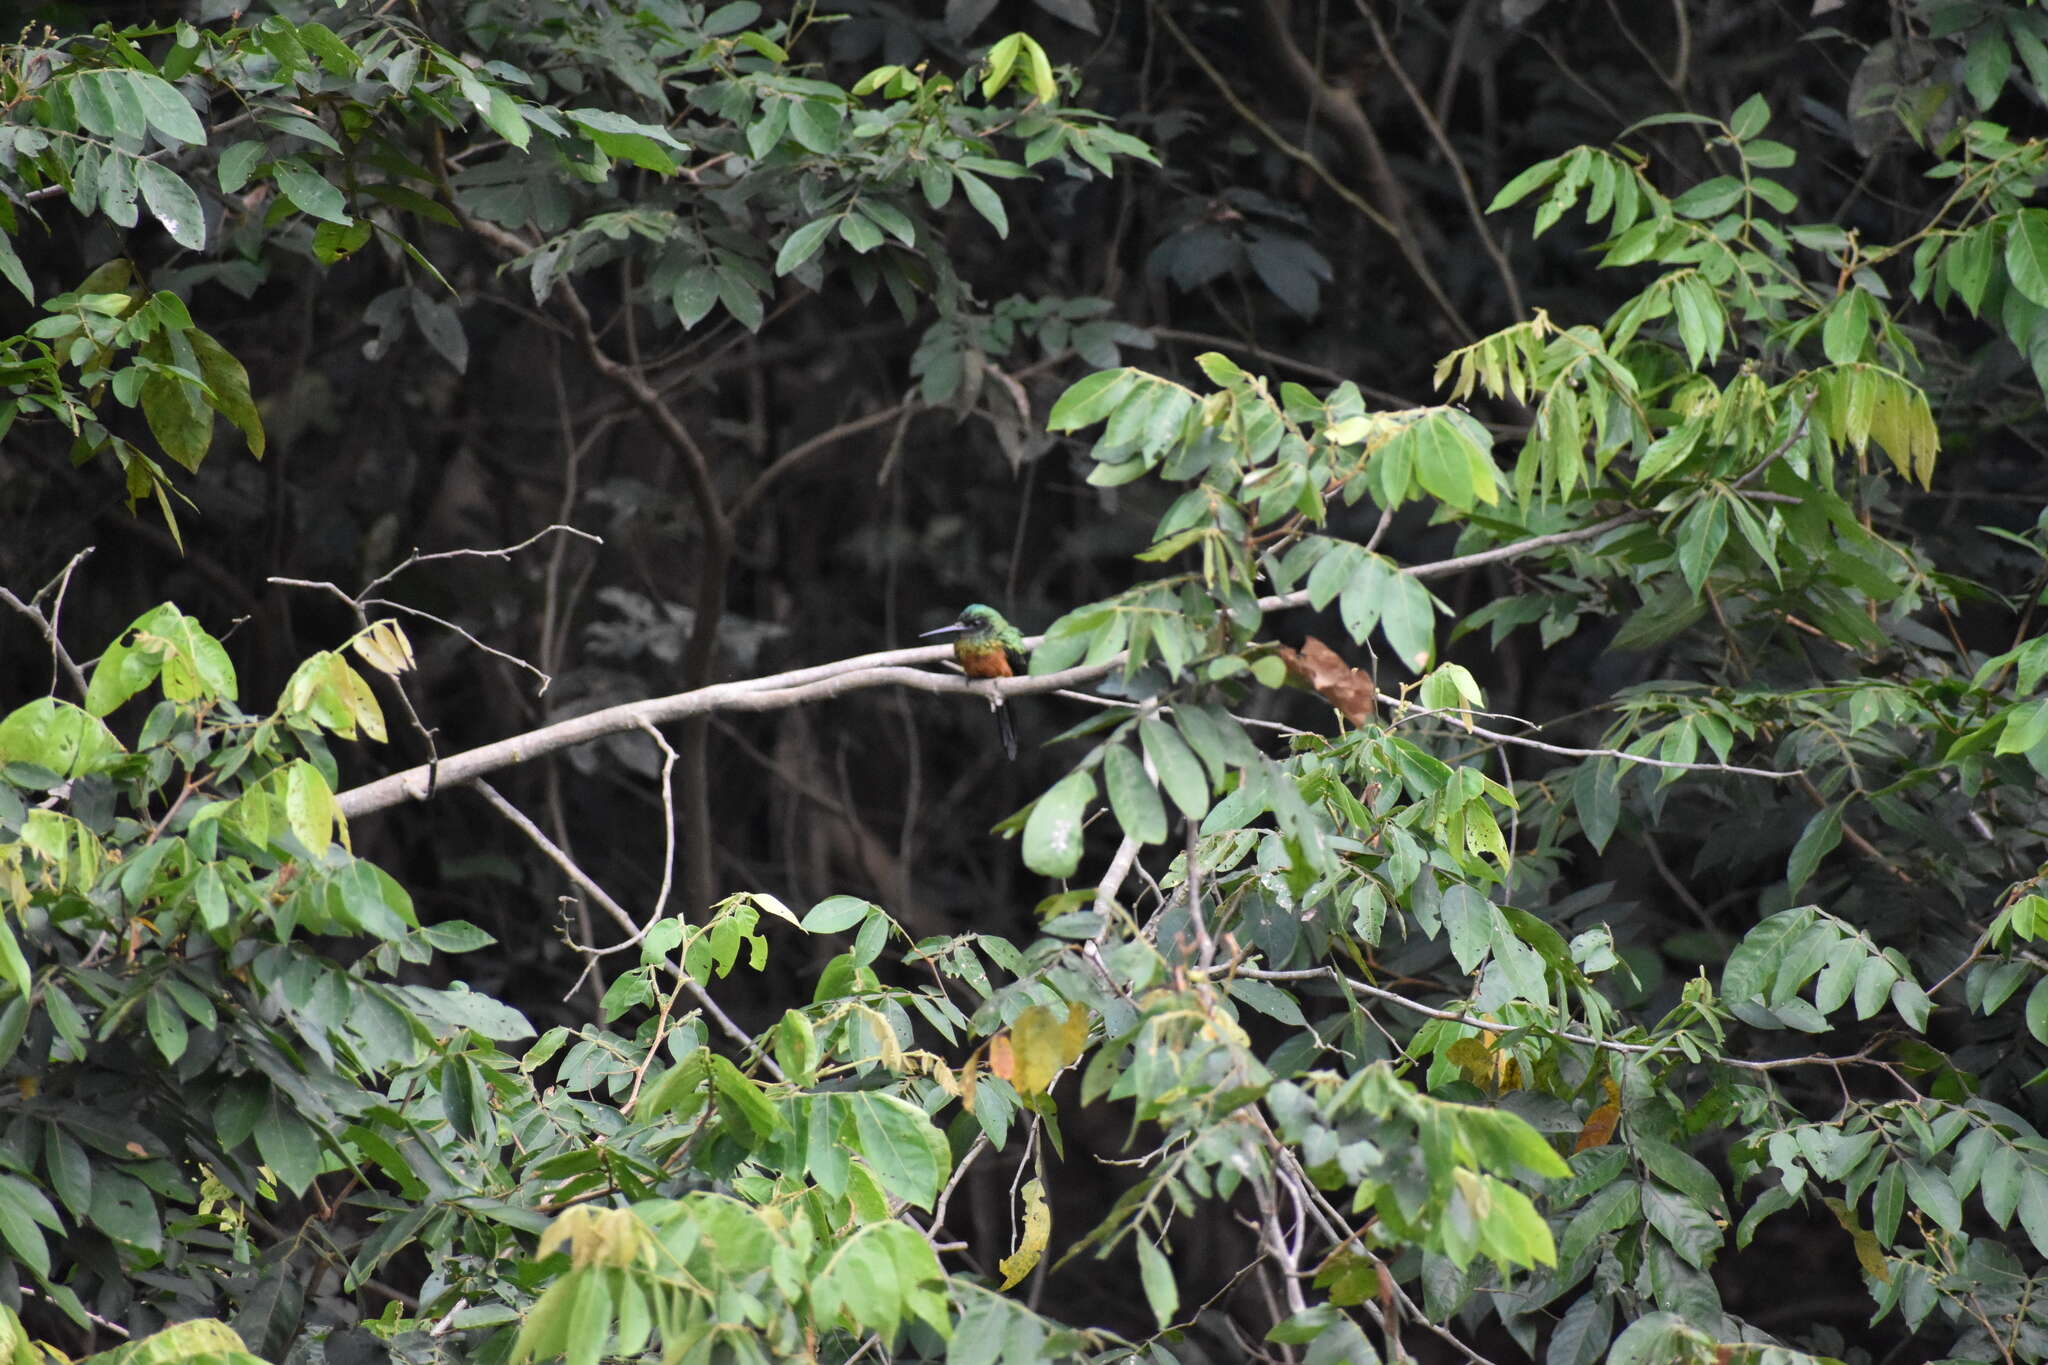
[987, 646]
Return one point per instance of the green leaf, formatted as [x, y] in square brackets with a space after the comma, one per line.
[11, 267]
[889, 218]
[22, 1206]
[166, 109]
[174, 405]
[2033, 1208]
[1090, 400]
[646, 145]
[1691, 1230]
[610, 121]
[999, 63]
[1710, 199]
[1155, 1272]
[14, 971]
[122, 98]
[1038, 71]
[1440, 463]
[337, 56]
[1132, 796]
[1816, 841]
[1848, 327]
[1408, 621]
[860, 234]
[1467, 917]
[803, 244]
[229, 381]
[1750, 118]
[237, 164]
[1933, 1196]
[2026, 725]
[1874, 981]
[900, 1144]
[70, 1169]
[501, 113]
[1180, 772]
[694, 295]
[1268, 1000]
[985, 200]
[2037, 1011]
[1967, 265]
[815, 125]
[308, 191]
[836, 914]
[1052, 832]
[56, 735]
[1986, 66]
[166, 1026]
[1519, 188]
[1912, 1004]
[2026, 254]
[1700, 538]
[1220, 369]
[288, 1146]
[744, 1097]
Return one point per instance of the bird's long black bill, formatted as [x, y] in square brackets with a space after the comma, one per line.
[1006, 727]
[953, 629]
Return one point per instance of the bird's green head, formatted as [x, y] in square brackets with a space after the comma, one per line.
[975, 622]
[981, 620]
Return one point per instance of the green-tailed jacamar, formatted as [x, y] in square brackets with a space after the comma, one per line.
[988, 647]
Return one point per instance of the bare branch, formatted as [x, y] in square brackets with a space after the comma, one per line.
[1565, 1035]
[60, 658]
[771, 693]
[625, 921]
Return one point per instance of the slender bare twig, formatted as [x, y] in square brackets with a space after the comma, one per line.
[94, 1318]
[574, 872]
[1509, 282]
[60, 658]
[668, 821]
[1120, 864]
[981, 1145]
[1565, 1035]
[611, 907]
[502, 553]
[1417, 711]
[1404, 240]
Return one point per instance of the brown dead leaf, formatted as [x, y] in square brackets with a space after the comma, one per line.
[1599, 1128]
[1324, 672]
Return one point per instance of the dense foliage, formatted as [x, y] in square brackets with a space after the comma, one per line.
[1524, 868]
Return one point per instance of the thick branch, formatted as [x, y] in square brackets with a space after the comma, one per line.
[821, 681]
[758, 694]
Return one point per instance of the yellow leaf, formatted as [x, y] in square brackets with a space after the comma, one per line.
[1037, 1233]
[601, 1237]
[1041, 1044]
[385, 648]
[1869, 1253]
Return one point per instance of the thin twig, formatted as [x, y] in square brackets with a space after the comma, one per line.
[1417, 711]
[1509, 282]
[1403, 240]
[60, 658]
[625, 921]
[1564, 1035]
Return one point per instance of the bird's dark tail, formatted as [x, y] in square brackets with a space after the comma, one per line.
[1006, 727]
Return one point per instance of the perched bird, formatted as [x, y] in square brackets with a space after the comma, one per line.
[987, 646]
